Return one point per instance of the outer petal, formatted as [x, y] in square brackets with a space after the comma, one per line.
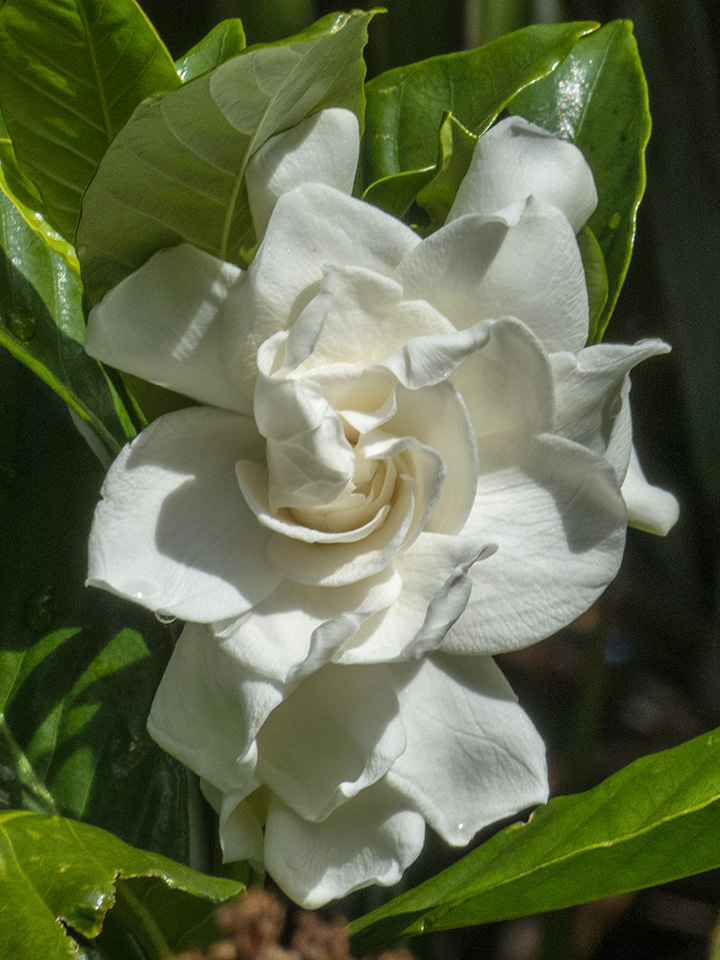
[370, 839]
[649, 508]
[339, 732]
[323, 149]
[173, 532]
[163, 323]
[515, 159]
[591, 391]
[311, 226]
[555, 511]
[208, 709]
[522, 262]
[507, 385]
[473, 756]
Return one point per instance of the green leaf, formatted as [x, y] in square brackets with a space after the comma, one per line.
[78, 667]
[433, 188]
[24, 194]
[396, 194]
[457, 145]
[598, 100]
[41, 324]
[71, 73]
[224, 42]
[654, 821]
[596, 279]
[406, 106]
[60, 870]
[176, 172]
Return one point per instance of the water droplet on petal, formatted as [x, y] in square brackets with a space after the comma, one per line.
[21, 324]
[164, 617]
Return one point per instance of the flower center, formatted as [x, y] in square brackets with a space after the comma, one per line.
[368, 492]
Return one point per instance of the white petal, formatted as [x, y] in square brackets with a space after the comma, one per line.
[337, 734]
[164, 323]
[311, 226]
[591, 391]
[438, 418]
[208, 709]
[370, 839]
[240, 830]
[515, 159]
[358, 317]
[523, 262]
[507, 384]
[309, 460]
[240, 826]
[173, 531]
[555, 511]
[473, 755]
[436, 585]
[323, 149]
[649, 508]
[299, 628]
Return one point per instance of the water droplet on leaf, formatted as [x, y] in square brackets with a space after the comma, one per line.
[21, 324]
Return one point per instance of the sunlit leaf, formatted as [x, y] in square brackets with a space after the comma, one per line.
[654, 821]
[406, 106]
[224, 42]
[41, 323]
[176, 171]
[598, 99]
[57, 871]
[71, 73]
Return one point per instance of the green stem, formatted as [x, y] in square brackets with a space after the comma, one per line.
[141, 923]
[26, 772]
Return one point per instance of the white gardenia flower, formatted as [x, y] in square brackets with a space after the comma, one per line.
[405, 460]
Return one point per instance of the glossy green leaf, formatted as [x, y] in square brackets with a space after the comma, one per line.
[596, 279]
[78, 667]
[433, 188]
[71, 73]
[406, 106]
[224, 42]
[598, 100]
[654, 821]
[396, 194]
[41, 323]
[176, 171]
[457, 145]
[54, 870]
[24, 194]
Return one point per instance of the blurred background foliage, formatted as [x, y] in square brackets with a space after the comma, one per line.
[640, 671]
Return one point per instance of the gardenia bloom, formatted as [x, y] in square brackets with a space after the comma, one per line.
[405, 460]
